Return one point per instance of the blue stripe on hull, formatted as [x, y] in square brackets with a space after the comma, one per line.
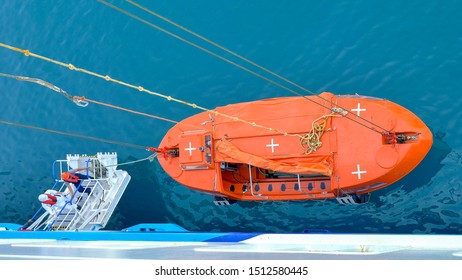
[142, 233]
[233, 237]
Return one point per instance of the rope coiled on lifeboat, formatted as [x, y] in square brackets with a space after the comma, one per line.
[311, 141]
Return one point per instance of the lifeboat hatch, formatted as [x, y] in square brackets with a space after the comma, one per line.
[195, 148]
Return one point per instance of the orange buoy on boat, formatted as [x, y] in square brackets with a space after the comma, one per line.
[299, 148]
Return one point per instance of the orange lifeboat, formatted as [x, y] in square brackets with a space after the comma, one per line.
[296, 148]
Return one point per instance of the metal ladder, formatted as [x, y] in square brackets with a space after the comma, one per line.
[88, 211]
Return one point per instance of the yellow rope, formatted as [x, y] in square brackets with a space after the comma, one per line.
[312, 140]
[79, 100]
[124, 109]
[140, 88]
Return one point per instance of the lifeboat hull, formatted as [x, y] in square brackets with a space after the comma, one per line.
[256, 150]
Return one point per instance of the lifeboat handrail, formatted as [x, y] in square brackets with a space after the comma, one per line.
[301, 189]
[251, 185]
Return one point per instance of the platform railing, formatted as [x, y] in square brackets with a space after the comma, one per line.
[78, 211]
[94, 169]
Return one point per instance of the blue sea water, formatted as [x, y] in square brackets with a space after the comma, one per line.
[409, 52]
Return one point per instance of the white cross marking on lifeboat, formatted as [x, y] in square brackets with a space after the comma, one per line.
[190, 149]
[359, 109]
[272, 145]
[359, 172]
